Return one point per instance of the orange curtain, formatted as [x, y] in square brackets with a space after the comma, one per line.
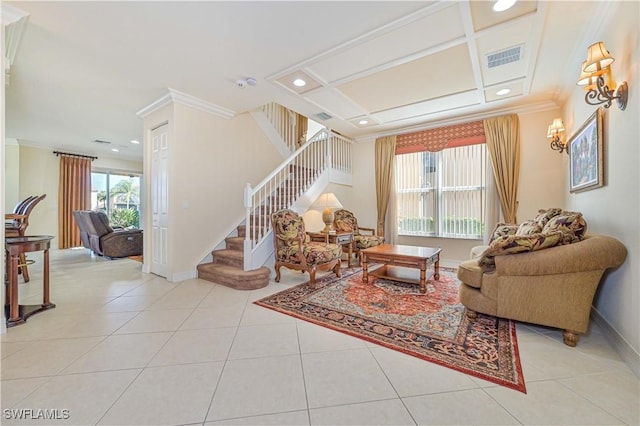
[74, 193]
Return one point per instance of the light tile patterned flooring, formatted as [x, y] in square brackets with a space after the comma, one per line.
[128, 348]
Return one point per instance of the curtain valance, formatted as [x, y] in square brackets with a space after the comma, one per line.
[441, 137]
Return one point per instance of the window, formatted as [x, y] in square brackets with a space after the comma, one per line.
[442, 194]
[118, 196]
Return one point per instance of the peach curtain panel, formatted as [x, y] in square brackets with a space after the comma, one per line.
[385, 156]
[503, 143]
[440, 138]
[74, 193]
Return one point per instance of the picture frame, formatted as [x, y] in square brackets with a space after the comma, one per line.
[586, 155]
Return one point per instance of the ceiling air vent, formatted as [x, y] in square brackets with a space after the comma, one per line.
[101, 141]
[323, 116]
[503, 57]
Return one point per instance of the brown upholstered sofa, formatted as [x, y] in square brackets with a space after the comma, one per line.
[551, 286]
[96, 234]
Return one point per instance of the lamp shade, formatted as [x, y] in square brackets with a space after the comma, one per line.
[588, 78]
[555, 128]
[327, 200]
[598, 58]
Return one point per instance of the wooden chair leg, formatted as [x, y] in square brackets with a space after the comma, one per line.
[23, 268]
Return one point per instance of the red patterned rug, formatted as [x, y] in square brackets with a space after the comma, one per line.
[431, 326]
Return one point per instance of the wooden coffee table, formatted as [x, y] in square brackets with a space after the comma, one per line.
[397, 258]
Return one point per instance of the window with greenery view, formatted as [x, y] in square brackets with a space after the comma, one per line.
[442, 194]
[118, 196]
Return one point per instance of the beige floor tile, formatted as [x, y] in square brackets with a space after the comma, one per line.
[549, 402]
[214, 317]
[13, 391]
[84, 397]
[388, 412]
[155, 321]
[293, 418]
[191, 346]
[315, 338]
[344, 377]
[46, 358]
[413, 376]
[252, 387]
[120, 352]
[265, 340]
[128, 303]
[258, 315]
[185, 295]
[616, 392]
[171, 395]
[468, 407]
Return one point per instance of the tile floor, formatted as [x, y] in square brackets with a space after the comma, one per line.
[127, 348]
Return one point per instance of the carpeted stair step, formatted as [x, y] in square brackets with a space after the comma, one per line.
[228, 257]
[233, 277]
[235, 243]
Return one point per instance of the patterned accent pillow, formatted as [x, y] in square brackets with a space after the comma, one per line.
[572, 224]
[529, 227]
[510, 244]
[503, 229]
[544, 215]
[343, 225]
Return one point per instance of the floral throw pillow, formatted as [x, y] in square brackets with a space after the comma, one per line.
[545, 215]
[571, 224]
[343, 225]
[503, 229]
[529, 227]
[510, 244]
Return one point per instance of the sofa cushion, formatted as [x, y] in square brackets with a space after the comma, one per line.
[510, 244]
[545, 215]
[529, 227]
[470, 273]
[572, 224]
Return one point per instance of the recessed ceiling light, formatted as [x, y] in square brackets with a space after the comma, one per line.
[115, 150]
[502, 5]
[298, 82]
[363, 122]
[135, 142]
[503, 92]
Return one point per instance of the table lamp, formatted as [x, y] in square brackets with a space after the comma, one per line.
[327, 202]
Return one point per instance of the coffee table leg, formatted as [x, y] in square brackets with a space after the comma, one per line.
[436, 275]
[423, 279]
[365, 272]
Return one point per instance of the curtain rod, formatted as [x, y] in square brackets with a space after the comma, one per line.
[68, 154]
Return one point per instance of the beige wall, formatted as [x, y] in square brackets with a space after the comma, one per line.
[211, 161]
[11, 174]
[614, 209]
[38, 174]
[541, 184]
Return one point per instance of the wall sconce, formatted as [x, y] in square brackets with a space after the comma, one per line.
[592, 76]
[555, 130]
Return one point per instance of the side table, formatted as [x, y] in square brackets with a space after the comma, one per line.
[345, 239]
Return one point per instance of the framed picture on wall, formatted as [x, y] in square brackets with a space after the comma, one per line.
[586, 155]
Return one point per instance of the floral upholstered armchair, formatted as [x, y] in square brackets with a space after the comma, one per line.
[293, 251]
[345, 221]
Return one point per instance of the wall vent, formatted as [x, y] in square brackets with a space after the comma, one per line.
[101, 141]
[323, 116]
[503, 57]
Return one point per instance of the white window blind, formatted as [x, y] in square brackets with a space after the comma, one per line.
[442, 193]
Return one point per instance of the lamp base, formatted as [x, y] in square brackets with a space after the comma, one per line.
[327, 218]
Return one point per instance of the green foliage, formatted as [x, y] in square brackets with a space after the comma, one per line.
[125, 218]
[454, 226]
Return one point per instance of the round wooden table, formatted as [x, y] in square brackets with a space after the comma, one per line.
[15, 246]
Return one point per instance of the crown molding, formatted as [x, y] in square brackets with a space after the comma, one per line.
[188, 100]
[529, 108]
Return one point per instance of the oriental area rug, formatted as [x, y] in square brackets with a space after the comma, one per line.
[431, 326]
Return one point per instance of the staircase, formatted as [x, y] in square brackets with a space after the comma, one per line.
[295, 184]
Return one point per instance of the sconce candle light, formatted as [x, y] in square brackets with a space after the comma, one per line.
[554, 133]
[592, 76]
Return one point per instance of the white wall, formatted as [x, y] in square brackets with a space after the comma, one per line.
[615, 208]
[541, 184]
[11, 174]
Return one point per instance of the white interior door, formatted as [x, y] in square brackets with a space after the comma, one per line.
[159, 199]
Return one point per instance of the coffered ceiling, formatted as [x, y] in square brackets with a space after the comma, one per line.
[83, 69]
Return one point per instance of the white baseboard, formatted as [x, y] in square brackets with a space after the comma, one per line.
[626, 352]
